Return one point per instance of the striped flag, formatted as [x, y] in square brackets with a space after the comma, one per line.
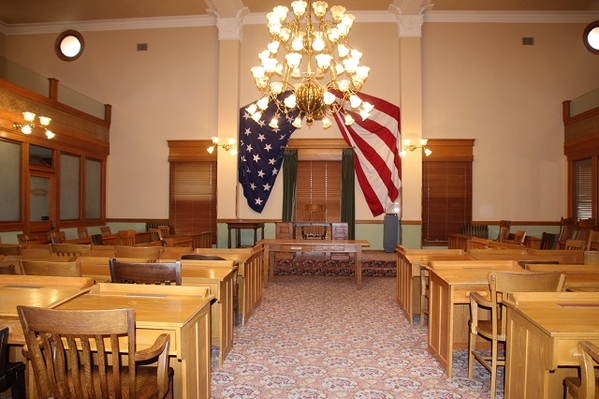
[376, 144]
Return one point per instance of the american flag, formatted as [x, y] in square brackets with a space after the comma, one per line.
[375, 142]
[261, 150]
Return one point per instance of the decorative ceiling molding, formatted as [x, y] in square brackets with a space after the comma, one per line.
[260, 18]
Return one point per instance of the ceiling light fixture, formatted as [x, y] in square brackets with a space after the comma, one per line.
[228, 146]
[301, 57]
[411, 147]
[29, 125]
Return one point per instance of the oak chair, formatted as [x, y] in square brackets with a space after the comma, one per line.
[548, 241]
[144, 273]
[156, 236]
[126, 237]
[12, 375]
[519, 237]
[105, 231]
[424, 294]
[153, 252]
[80, 354]
[26, 238]
[51, 268]
[593, 241]
[82, 232]
[583, 228]
[566, 231]
[56, 237]
[494, 328]
[587, 386]
[10, 249]
[504, 230]
[314, 213]
[201, 240]
[70, 250]
[165, 231]
[7, 268]
[572, 244]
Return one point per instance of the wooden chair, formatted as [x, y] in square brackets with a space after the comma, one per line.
[566, 231]
[126, 237]
[572, 244]
[519, 237]
[504, 230]
[156, 236]
[494, 328]
[314, 213]
[97, 239]
[548, 241]
[105, 231]
[165, 231]
[587, 386]
[57, 237]
[82, 232]
[51, 268]
[593, 241]
[582, 229]
[81, 354]
[10, 249]
[12, 375]
[153, 252]
[70, 250]
[144, 273]
[26, 238]
[7, 268]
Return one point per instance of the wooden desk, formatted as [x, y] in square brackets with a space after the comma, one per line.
[543, 331]
[249, 275]
[409, 264]
[238, 226]
[181, 312]
[450, 284]
[221, 282]
[272, 246]
[178, 241]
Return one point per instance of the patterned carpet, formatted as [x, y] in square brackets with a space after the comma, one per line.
[374, 264]
[316, 337]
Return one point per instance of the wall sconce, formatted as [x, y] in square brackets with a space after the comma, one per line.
[29, 125]
[411, 147]
[228, 146]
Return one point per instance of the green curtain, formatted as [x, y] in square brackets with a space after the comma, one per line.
[348, 199]
[289, 183]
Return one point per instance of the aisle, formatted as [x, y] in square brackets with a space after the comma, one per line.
[319, 337]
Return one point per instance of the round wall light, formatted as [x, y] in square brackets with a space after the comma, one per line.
[591, 37]
[69, 45]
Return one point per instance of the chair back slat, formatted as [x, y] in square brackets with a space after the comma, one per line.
[145, 273]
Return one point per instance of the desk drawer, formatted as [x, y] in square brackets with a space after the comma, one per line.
[330, 248]
[296, 248]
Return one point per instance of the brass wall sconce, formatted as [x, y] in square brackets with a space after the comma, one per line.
[408, 146]
[228, 146]
[30, 124]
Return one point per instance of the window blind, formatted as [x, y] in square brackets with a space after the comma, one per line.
[318, 182]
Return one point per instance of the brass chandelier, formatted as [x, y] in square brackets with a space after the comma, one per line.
[309, 66]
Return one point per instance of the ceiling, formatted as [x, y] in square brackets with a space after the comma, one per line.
[44, 11]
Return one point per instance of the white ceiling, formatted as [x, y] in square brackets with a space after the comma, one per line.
[13, 12]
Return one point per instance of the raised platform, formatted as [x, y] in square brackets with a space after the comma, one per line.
[374, 264]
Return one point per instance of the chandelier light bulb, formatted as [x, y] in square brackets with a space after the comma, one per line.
[29, 116]
[214, 140]
[233, 152]
[252, 109]
[348, 120]
[297, 122]
[44, 120]
[210, 149]
[307, 55]
[26, 129]
[427, 152]
[49, 134]
[274, 122]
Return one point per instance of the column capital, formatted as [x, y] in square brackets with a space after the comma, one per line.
[409, 25]
[229, 28]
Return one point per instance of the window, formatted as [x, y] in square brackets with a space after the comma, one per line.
[318, 182]
[582, 200]
[10, 181]
[192, 195]
[446, 190]
[69, 187]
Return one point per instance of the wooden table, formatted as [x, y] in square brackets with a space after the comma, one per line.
[249, 275]
[272, 246]
[450, 285]
[181, 312]
[543, 331]
[238, 226]
[409, 264]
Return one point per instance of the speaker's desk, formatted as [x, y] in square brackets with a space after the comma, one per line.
[543, 330]
[271, 246]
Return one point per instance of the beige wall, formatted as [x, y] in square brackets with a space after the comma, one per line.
[478, 82]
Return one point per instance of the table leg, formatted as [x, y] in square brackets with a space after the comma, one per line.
[266, 260]
[359, 266]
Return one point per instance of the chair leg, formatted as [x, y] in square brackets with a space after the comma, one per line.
[493, 367]
[471, 346]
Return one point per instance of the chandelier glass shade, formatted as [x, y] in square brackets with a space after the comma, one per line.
[30, 124]
[309, 61]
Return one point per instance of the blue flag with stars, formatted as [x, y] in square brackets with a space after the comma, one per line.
[261, 150]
